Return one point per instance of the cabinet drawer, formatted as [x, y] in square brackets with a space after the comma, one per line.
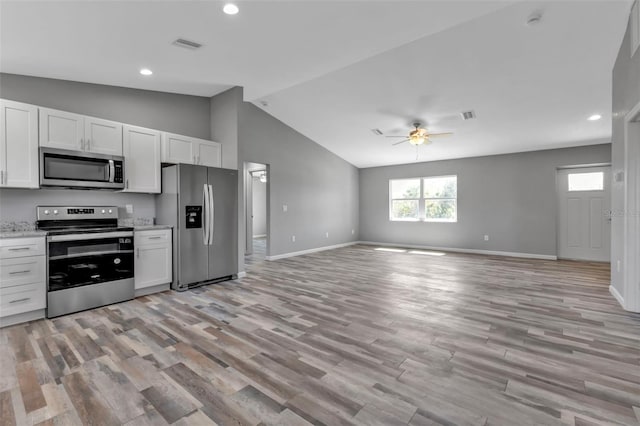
[145, 238]
[21, 247]
[26, 298]
[22, 270]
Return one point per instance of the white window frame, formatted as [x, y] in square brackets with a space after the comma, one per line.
[391, 200]
[422, 201]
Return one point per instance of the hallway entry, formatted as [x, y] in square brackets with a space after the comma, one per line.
[256, 214]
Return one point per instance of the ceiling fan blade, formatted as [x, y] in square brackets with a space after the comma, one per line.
[440, 134]
[398, 143]
[395, 136]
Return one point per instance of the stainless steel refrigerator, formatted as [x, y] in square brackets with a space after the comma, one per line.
[201, 203]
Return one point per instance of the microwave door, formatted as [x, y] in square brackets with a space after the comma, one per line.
[78, 169]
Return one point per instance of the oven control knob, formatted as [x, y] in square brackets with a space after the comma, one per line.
[46, 212]
[103, 211]
[55, 212]
[110, 211]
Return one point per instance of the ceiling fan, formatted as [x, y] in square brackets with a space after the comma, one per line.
[419, 136]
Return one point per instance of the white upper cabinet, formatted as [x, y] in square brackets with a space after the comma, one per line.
[102, 136]
[187, 150]
[141, 159]
[18, 145]
[65, 130]
[209, 154]
[60, 129]
[178, 149]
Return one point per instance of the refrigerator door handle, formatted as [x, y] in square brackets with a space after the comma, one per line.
[205, 215]
[211, 215]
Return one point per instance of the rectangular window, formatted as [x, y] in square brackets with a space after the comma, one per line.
[430, 199]
[593, 181]
[405, 199]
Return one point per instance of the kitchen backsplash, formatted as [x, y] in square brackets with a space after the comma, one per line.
[18, 206]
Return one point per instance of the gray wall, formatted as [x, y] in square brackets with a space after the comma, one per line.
[182, 114]
[20, 204]
[626, 94]
[224, 124]
[259, 204]
[511, 198]
[319, 188]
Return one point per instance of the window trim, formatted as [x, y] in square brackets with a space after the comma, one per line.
[422, 201]
[391, 200]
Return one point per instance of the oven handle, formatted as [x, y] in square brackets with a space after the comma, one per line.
[112, 171]
[96, 236]
[90, 253]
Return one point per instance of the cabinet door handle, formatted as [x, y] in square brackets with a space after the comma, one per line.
[82, 144]
[88, 144]
[198, 159]
[20, 272]
[1, 177]
[138, 253]
[20, 248]
[127, 184]
[24, 299]
[154, 238]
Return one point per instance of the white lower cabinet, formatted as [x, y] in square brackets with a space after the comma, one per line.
[153, 262]
[23, 291]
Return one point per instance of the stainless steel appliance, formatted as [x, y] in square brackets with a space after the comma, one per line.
[201, 203]
[76, 169]
[89, 258]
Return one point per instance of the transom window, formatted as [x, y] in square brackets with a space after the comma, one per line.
[429, 199]
[592, 181]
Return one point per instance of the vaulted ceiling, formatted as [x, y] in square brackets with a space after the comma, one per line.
[334, 70]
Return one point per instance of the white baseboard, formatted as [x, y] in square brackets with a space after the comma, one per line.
[463, 250]
[153, 289]
[313, 250]
[20, 318]
[260, 236]
[242, 274]
[617, 295]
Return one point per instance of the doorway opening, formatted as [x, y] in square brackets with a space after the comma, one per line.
[584, 219]
[256, 202]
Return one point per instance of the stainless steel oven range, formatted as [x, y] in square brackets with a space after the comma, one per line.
[89, 258]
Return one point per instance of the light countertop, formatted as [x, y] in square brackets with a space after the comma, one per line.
[151, 227]
[23, 234]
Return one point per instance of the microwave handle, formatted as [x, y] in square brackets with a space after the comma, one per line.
[112, 171]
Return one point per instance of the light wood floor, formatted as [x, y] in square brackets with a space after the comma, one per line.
[346, 336]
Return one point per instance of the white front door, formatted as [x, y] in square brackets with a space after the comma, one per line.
[584, 203]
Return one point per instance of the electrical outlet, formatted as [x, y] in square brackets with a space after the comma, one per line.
[326, 235]
[129, 208]
[285, 208]
[353, 232]
[293, 238]
[486, 238]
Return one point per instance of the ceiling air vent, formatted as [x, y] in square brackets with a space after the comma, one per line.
[468, 115]
[187, 44]
[377, 132]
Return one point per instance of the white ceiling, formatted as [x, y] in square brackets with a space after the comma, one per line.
[334, 69]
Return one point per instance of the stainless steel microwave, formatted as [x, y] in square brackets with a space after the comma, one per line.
[79, 169]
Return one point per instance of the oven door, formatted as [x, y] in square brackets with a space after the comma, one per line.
[59, 167]
[78, 260]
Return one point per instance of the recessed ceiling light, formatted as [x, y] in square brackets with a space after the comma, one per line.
[146, 71]
[230, 9]
[594, 117]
